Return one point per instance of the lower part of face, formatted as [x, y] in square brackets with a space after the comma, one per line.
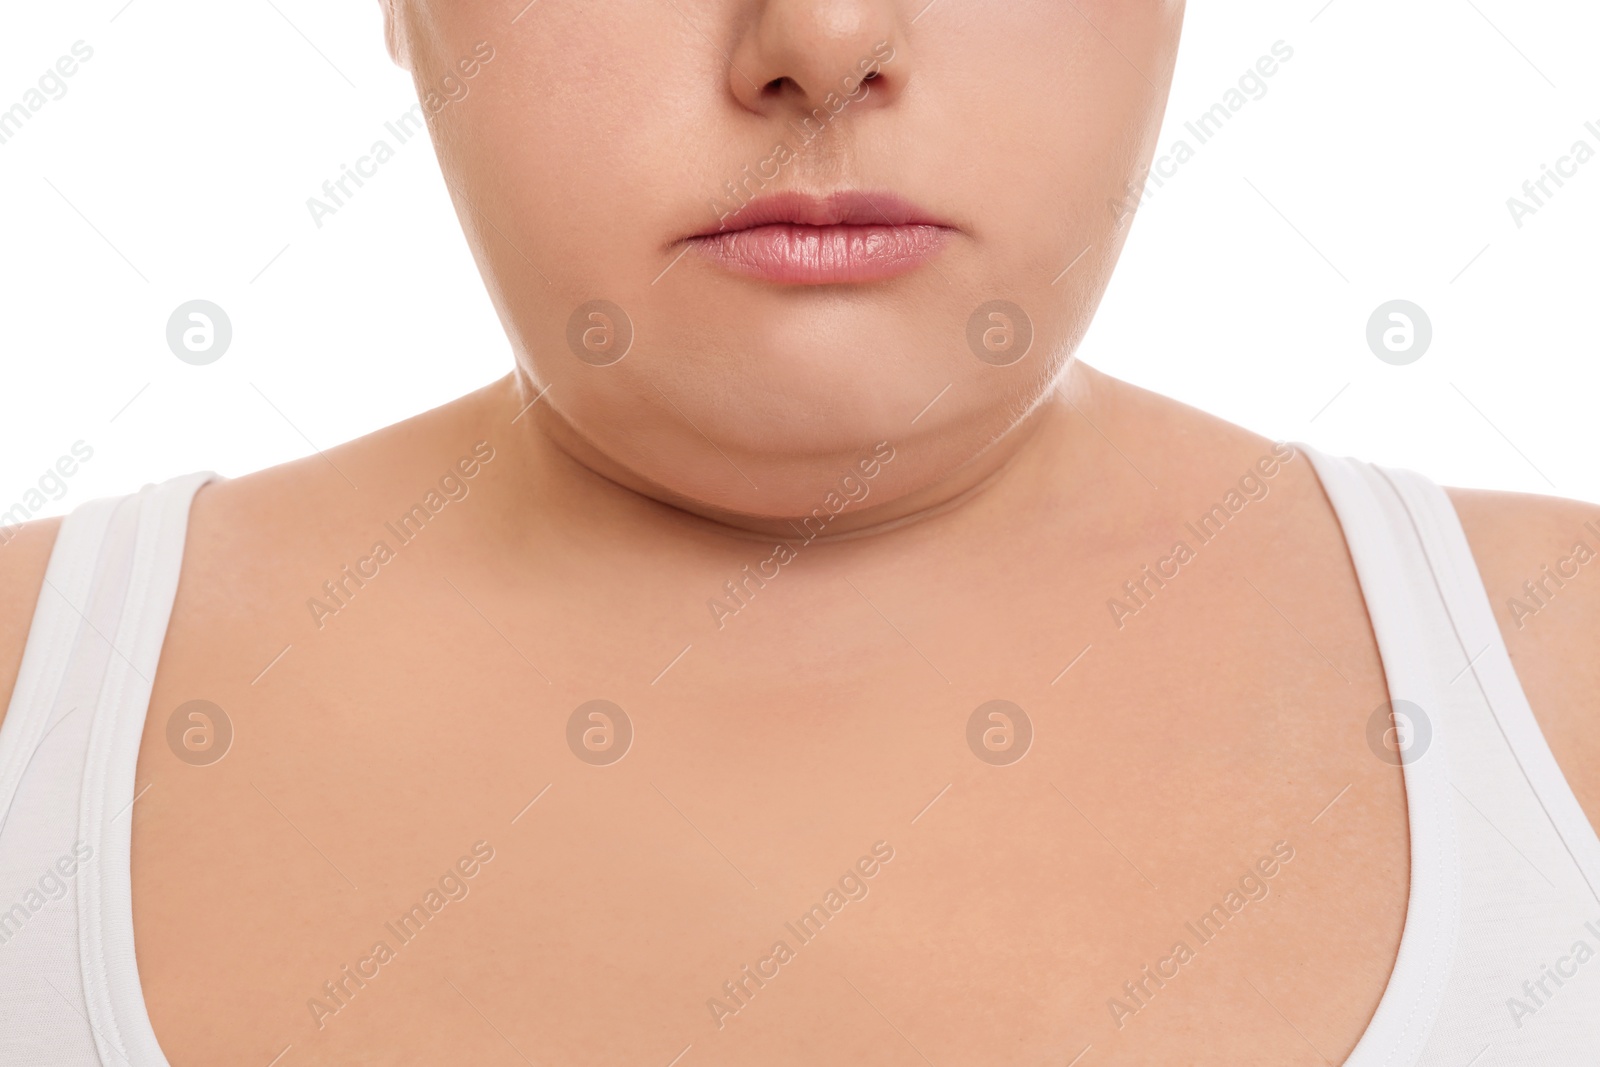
[600, 154]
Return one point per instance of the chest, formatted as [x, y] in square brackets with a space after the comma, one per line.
[855, 828]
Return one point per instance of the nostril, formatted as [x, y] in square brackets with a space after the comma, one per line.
[775, 86]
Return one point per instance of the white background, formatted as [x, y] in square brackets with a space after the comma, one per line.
[1378, 165]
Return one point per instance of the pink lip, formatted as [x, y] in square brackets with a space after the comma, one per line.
[795, 239]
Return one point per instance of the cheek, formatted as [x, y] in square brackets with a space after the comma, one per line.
[600, 164]
[595, 145]
[1053, 123]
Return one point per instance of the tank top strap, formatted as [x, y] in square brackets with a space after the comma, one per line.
[1460, 586]
[1405, 621]
[1504, 864]
[69, 748]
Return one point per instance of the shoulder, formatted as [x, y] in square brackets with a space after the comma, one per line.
[268, 553]
[1540, 562]
[24, 555]
[260, 524]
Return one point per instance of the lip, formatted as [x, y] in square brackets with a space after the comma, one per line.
[797, 239]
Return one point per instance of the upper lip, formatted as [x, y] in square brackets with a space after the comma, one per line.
[845, 208]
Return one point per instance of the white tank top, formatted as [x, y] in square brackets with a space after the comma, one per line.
[1497, 964]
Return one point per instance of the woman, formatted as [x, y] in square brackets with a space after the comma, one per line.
[799, 658]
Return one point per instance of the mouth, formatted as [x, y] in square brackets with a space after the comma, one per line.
[848, 237]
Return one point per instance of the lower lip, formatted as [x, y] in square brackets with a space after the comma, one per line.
[824, 255]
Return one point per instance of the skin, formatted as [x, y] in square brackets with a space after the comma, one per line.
[831, 711]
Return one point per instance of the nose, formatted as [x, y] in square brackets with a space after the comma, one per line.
[799, 55]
